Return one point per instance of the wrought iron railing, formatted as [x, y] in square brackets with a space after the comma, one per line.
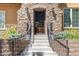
[60, 47]
[23, 37]
[50, 31]
[57, 46]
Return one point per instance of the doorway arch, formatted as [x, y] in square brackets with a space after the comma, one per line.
[39, 20]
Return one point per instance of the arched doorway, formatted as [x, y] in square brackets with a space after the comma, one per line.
[39, 21]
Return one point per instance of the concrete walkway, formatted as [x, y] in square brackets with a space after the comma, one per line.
[41, 47]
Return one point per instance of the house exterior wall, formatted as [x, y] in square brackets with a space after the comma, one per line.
[68, 5]
[73, 5]
[10, 14]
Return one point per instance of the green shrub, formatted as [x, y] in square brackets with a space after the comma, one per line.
[10, 33]
[71, 34]
[60, 35]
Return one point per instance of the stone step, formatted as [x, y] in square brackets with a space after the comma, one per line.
[36, 43]
[39, 49]
[40, 41]
[46, 53]
[40, 45]
[50, 54]
[41, 36]
[38, 38]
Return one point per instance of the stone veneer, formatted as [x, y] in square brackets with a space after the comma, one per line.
[53, 15]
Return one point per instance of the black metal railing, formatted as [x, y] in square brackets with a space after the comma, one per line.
[61, 47]
[50, 31]
[29, 29]
[29, 25]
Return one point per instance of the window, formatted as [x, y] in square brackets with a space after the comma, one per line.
[75, 17]
[2, 20]
[71, 18]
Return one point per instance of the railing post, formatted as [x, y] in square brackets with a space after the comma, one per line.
[67, 48]
[32, 35]
[49, 30]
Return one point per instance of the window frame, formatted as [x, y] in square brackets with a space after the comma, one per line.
[4, 28]
[70, 18]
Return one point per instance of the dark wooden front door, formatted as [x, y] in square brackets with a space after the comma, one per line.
[39, 20]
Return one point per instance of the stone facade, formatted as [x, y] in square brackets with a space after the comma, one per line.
[26, 15]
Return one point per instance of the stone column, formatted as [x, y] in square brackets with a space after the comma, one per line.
[58, 21]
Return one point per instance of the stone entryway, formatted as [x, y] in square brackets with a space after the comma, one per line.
[51, 13]
[39, 21]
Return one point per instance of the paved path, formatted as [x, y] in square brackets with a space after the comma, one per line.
[41, 47]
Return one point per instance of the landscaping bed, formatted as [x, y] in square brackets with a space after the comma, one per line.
[12, 43]
[66, 45]
[18, 46]
[13, 47]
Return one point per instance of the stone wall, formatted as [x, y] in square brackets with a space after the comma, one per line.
[66, 47]
[60, 47]
[22, 20]
[13, 47]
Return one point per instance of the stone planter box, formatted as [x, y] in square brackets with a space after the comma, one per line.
[12, 47]
[65, 47]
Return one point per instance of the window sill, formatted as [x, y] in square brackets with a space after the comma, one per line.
[2, 29]
[71, 27]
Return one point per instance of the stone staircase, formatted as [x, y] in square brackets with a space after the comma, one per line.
[41, 47]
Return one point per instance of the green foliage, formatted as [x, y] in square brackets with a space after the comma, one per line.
[11, 33]
[68, 34]
[72, 34]
[60, 35]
